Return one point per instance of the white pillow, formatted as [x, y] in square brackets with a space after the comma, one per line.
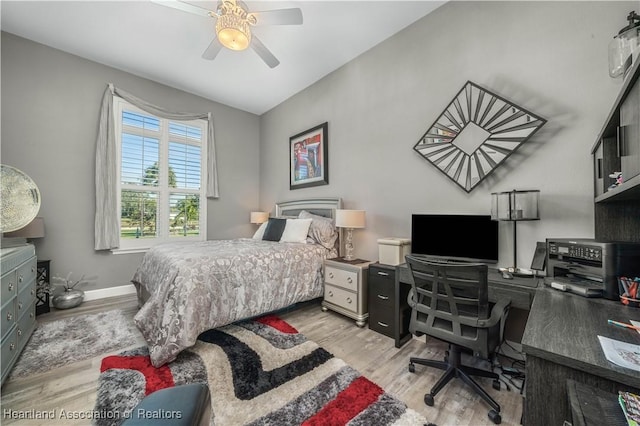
[296, 231]
[260, 232]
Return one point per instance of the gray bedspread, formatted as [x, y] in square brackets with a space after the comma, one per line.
[194, 287]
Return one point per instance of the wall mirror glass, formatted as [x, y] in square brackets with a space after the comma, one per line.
[475, 133]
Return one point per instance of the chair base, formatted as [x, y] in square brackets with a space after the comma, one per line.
[453, 368]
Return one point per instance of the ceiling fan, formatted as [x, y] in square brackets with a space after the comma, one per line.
[233, 22]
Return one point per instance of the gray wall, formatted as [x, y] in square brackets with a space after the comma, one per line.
[50, 104]
[548, 57]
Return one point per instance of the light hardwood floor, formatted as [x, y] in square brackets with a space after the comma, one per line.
[73, 388]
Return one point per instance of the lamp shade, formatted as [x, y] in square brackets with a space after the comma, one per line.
[350, 218]
[259, 217]
[515, 205]
[35, 229]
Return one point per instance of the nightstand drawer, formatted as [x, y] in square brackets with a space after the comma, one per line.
[340, 297]
[341, 278]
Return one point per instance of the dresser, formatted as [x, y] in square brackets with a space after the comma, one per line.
[18, 302]
[345, 288]
[389, 311]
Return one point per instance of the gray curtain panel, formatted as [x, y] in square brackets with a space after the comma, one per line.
[107, 228]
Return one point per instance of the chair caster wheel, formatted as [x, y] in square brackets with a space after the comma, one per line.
[428, 399]
[495, 417]
[412, 368]
[496, 384]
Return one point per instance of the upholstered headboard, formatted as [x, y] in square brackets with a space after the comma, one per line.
[325, 207]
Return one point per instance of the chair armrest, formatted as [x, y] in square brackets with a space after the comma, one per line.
[498, 312]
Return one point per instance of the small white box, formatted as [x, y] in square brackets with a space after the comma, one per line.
[392, 250]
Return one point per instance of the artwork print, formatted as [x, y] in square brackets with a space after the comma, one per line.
[308, 158]
[476, 132]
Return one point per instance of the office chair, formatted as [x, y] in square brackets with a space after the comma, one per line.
[449, 301]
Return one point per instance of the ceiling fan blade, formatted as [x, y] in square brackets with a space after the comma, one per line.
[185, 7]
[264, 53]
[279, 17]
[212, 51]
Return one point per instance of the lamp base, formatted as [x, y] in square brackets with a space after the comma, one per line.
[348, 245]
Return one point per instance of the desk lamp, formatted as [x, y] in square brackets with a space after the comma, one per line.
[515, 206]
[349, 219]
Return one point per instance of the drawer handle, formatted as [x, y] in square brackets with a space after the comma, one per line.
[383, 297]
[33, 269]
[10, 286]
[330, 274]
[330, 294]
[384, 274]
[19, 305]
[381, 324]
[9, 316]
[19, 332]
[349, 280]
[12, 346]
[33, 291]
[20, 279]
[349, 300]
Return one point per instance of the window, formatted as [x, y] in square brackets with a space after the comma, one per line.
[161, 187]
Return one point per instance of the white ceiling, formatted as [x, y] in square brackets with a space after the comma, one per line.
[165, 44]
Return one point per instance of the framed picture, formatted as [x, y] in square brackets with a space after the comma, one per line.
[308, 165]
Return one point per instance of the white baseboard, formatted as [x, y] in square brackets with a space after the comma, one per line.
[109, 292]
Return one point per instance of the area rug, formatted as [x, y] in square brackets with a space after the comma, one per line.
[58, 343]
[259, 372]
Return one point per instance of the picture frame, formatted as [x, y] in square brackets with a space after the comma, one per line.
[308, 158]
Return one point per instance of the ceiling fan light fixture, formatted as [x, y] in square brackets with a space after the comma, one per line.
[233, 32]
[232, 25]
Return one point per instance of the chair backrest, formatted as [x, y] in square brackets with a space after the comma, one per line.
[447, 299]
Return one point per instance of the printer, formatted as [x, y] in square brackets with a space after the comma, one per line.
[589, 267]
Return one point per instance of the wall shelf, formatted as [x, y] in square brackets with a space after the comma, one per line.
[629, 190]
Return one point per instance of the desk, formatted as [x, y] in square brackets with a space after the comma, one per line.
[560, 343]
[520, 290]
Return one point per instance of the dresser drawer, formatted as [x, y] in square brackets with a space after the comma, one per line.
[26, 324]
[341, 278]
[8, 352]
[7, 316]
[9, 287]
[27, 272]
[26, 297]
[340, 297]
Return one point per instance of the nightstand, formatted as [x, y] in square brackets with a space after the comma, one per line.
[389, 311]
[345, 288]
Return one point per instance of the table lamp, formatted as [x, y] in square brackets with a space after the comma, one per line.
[515, 206]
[259, 217]
[34, 229]
[349, 219]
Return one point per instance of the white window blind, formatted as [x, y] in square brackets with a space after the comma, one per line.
[161, 187]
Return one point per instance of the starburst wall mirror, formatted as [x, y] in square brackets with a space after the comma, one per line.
[476, 132]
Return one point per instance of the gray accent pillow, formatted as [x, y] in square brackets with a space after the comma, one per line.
[275, 228]
[322, 230]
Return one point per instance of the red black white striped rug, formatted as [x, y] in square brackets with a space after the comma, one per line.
[259, 372]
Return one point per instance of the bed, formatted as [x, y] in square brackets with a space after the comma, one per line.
[185, 289]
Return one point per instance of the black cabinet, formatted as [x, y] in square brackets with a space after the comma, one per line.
[389, 312]
[629, 133]
[617, 149]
